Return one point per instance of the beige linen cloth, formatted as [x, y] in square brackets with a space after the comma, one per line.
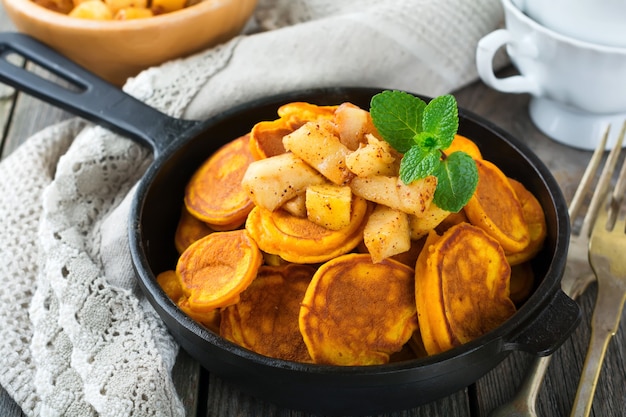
[77, 338]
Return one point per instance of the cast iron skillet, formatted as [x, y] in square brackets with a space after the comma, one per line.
[539, 326]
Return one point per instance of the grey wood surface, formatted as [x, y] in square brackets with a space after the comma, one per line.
[207, 395]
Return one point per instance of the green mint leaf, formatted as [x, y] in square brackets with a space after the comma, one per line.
[422, 132]
[418, 163]
[441, 120]
[398, 118]
[427, 141]
[457, 178]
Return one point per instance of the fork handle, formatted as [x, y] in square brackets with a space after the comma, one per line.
[604, 324]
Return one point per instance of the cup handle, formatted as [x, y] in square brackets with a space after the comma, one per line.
[485, 52]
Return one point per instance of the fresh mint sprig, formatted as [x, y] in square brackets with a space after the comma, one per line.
[422, 132]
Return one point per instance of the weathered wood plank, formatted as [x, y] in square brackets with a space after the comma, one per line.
[30, 116]
[8, 407]
[186, 377]
[7, 94]
[7, 101]
[26, 114]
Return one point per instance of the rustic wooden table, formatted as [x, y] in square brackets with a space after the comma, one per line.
[206, 395]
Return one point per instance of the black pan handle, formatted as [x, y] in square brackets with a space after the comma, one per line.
[87, 95]
[550, 328]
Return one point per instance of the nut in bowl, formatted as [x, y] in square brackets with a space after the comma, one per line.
[118, 49]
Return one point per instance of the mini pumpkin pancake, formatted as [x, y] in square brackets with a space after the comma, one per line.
[410, 257]
[299, 240]
[265, 320]
[356, 312]
[522, 282]
[495, 208]
[535, 217]
[461, 287]
[297, 113]
[416, 345]
[461, 143]
[188, 230]
[209, 319]
[170, 283]
[451, 220]
[266, 138]
[214, 193]
[214, 270]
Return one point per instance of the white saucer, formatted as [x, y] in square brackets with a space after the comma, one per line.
[574, 127]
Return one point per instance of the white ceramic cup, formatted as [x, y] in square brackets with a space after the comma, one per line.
[577, 87]
[597, 21]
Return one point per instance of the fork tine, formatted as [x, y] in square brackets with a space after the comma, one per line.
[620, 186]
[603, 183]
[588, 176]
[620, 189]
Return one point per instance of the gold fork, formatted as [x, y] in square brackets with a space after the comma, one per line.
[607, 248]
[578, 274]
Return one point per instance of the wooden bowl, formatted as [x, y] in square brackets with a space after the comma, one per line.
[116, 50]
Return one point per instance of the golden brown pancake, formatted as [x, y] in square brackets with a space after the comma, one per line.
[462, 288]
[536, 220]
[496, 209]
[265, 319]
[214, 270]
[188, 230]
[356, 312]
[214, 193]
[299, 240]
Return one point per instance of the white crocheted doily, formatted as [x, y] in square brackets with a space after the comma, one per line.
[77, 337]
